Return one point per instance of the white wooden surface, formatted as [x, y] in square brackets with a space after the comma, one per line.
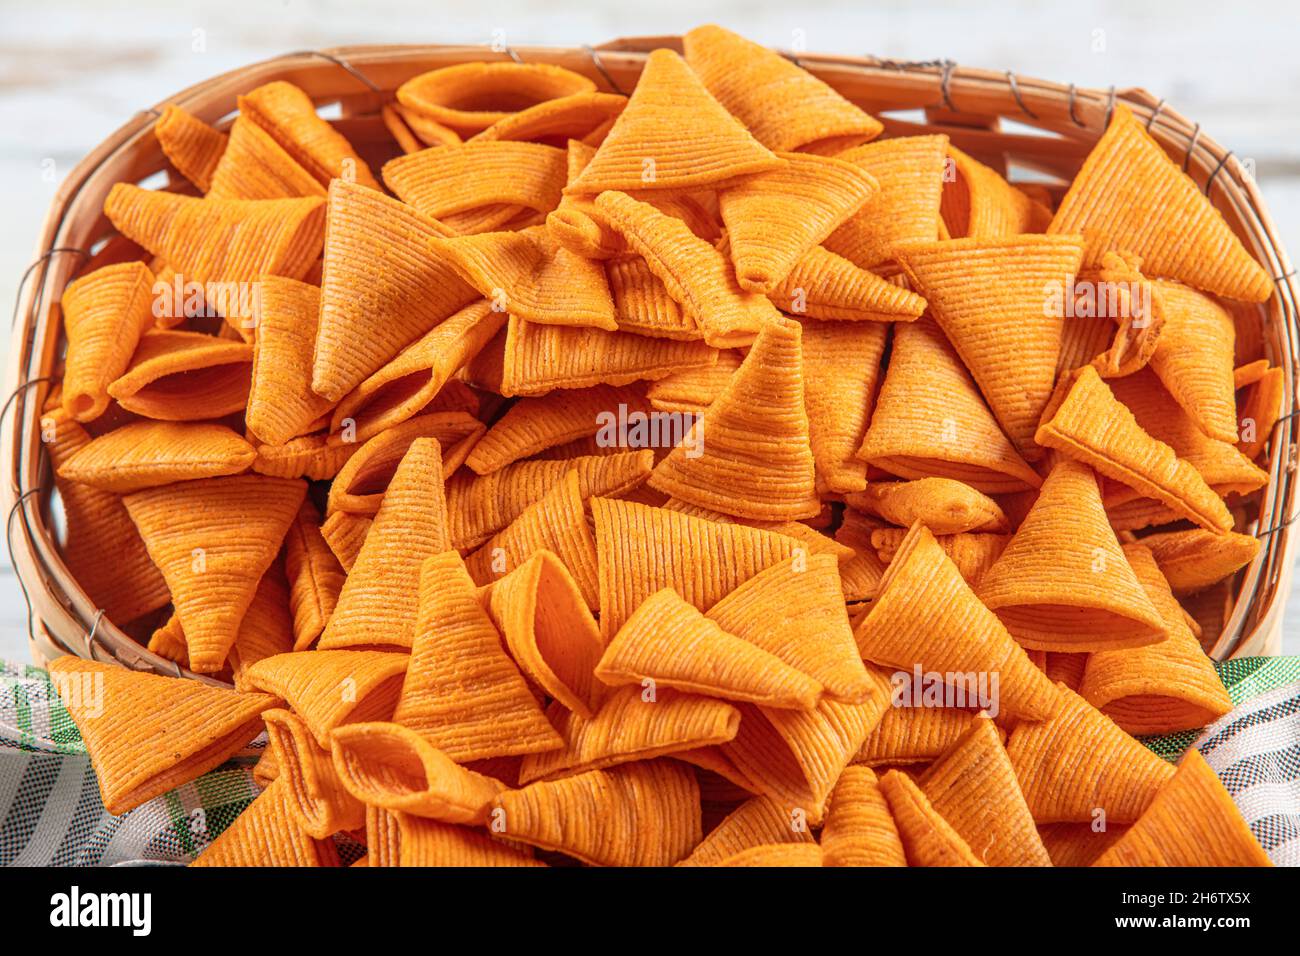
[71, 72]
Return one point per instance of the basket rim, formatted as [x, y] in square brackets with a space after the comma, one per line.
[1032, 102]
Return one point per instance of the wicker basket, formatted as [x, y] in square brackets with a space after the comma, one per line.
[1000, 118]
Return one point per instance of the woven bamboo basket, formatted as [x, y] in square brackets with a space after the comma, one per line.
[1005, 120]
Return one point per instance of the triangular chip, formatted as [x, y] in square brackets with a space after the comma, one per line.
[777, 855]
[925, 616]
[308, 456]
[447, 180]
[759, 821]
[930, 420]
[213, 539]
[147, 454]
[987, 296]
[281, 404]
[462, 691]
[315, 577]
[859, 829]
[255, 166]
[191, 145]
[783, 105]
[345, 534]
[1193, 560]
[973, 554]
[1262, 408]
[642, 303]
[1194, 359]
[289, 115]
[943, 505]
[268, 833]
[185, 376]
[928, 839]
[320, 802]
[823, 285]
[1130, 195]
[430, 843]
[559, 119]
[267, 627]
[147, 734]
[979, 202]
[104, 315]
[913, 734]
[378, 602]
[756, 460]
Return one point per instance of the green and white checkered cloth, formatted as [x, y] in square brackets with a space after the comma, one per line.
[51, 814]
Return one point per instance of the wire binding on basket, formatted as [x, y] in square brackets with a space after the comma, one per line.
[1223, 162]
[91, 634]
[599, 64]
[1015, 92]
[1110, 104]
[1074, 95]
[9, 544]
[1159, 107]
[31, 268]
[344, 64]
[948, 67]
[1191, 145]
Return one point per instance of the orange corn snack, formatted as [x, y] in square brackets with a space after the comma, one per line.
[973, 554]
[642, 303]
[1059, 765]
[860, 575]
[185, 376]
[1193, 560]
[823, 285]
[761, 407]
[394, 306]
[928, 839]
[784, 106]
[987, 295]
[930, 421]
[255, 166]
[915, 734]
[269, 833]
[309, 456]
[558, 120]
[1192, 821]
[1261, 410]
[378, 602]
[281, 404]
[973, 786]
[860, 829]
[670, 643]
[643, 814]
[315, 576]
[759, 821]
[1078, 844]
[145, 454]
[1127, 186]
[319, 801]
[290, 117]
[926, 616]
[190, 144]
[431, 843]
[1161, 688]
[473, 96]
[444, 181]
[1062, 583]
[125, 716]
[979, 203]
[345, 534]
[213, 539]
[777, 854]
[267, 627]
[943, 505]
[910, 171]
[1194, 359]
[104, 315]
[168, 642]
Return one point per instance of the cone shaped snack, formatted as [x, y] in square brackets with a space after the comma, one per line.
[315, 577]
[928, 839]
[697, 276]
[1192, 821]
[643, 814]
[213, 539]
[559, 119]
[147, 734]
[104, 315]
[1162, 688]
[309, 456]
[1261, 409]
[913, 734]
[973, 786]
[841, 372]
[281, 404]
[910, 171]
[759, 821]
[462, 691]
[823, 285]
[1087, 423]
[943, 505]
[860, 575]
[783, 105]
[221, 240]
[556, 522]
[1194, 359]
[973, 554]
[393, 767]
[642, 550]
[126, 587]
[168, 642]
[1059, 763]
[926, 616]
[255, 166]
[794, 610]
[446, 180]
[414, 378]
[777, 854]
[673, 135]
[330, 688]
[642, 303]
[756, 460]
[290, 117]
[185, 376]
[987, 295]
[532, 278]
[539, 358]
[480, 506]
[145, 454]
[191, 145]
[360, 484]
[1194, 560]
[795, 756]
[1063, 584]
[631, 724]
[1078, 844]
[670, 643]
[473, 96]
[930, 421]
[774, 218]
[549, 631]
[859, 828]
[1130, 195]
[979, 203]
[395, 305]
[269, 833]
[378, 602]
[320, 802]
[345, 534]
[384, 837]
[533, 425]
[430, 843]
[267, 627]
